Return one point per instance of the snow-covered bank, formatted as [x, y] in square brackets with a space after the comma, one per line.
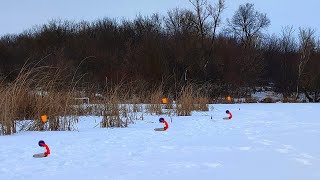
[262, 141]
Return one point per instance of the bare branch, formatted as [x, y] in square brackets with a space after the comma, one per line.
[247, 24]
[307, 47]
[215, 12]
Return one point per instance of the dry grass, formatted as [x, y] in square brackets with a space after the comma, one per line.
[136, 104]
[268, 100]
[201, 103]
[136, 109]
[155, 107]
[185, 101]
[116, 114]
[32, 94]
[169, 104]
[223, 100]
[111, 115]
[290, 100]
[251, 100]
[111, 112]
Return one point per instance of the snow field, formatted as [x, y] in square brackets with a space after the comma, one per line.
[262, 141]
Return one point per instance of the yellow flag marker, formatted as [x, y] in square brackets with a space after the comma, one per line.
[164, 100]
[44, 118]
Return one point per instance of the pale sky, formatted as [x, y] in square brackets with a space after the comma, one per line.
[19, 15]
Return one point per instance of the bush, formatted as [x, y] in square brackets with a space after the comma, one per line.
[268, 100]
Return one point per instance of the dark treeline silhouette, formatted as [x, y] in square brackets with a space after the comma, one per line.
[184, 46]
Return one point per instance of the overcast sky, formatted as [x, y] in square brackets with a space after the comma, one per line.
[19, 15]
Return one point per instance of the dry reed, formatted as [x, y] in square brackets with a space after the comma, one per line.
[33, 93]
[154, 106]
[184, 104]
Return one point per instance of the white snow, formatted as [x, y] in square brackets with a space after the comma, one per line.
[262, 141]
[267, 94]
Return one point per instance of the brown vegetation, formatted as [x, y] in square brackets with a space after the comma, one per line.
[32, 94]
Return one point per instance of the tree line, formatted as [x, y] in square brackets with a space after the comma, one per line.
[184, 46]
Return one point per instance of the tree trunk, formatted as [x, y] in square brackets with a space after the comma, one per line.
[316, 99]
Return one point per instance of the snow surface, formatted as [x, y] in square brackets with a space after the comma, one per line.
[262, 141]
[265, 94]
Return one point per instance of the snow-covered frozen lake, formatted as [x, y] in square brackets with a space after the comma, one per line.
[261, 142]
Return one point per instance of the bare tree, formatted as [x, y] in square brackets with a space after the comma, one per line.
[173, 20]
[311, 76]
[287, 43]
[307, 45]
[247, 24]
[202, 14]
[179, 20]
[287, 46]
[215, 12]
[272, 43]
